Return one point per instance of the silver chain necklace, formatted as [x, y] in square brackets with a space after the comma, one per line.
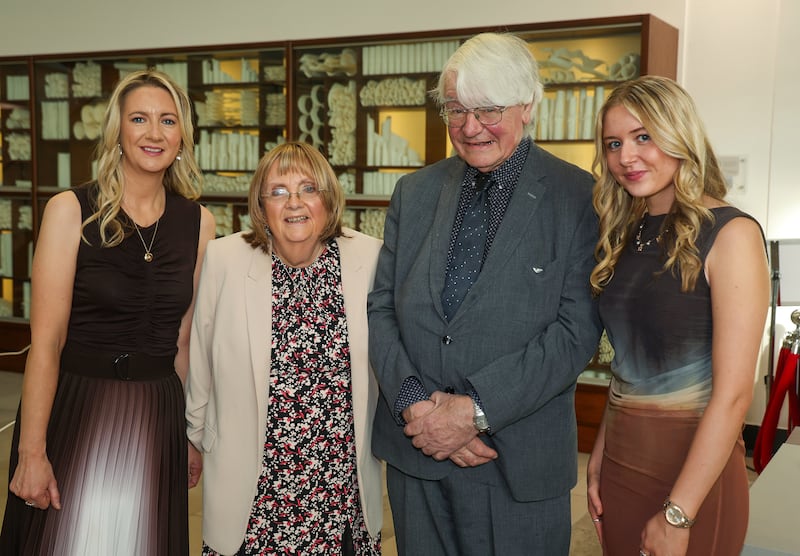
[148, 253]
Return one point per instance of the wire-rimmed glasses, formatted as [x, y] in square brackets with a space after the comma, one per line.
[486, 115]
[305, 193]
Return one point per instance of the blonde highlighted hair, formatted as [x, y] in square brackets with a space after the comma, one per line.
[182, 177]
[302, 158]
[670, 117]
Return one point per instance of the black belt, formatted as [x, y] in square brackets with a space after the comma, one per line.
[121, 366]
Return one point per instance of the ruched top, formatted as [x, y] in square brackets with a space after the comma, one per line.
[119, 297]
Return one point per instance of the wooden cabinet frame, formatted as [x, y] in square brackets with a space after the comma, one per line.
[657, 50]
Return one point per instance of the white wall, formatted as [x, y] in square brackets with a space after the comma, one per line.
[120, 25]
[727, 55]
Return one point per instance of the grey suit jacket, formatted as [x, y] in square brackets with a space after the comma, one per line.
[522, 335]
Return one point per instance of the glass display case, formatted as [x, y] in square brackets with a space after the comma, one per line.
[363, 101]
[16, 180]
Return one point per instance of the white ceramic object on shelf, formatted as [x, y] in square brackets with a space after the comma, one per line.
[348, 182]
[64, 168]
[19, 146]
[342, 121]
[572, 116]
[19, 118]
[372, 221]
[25, 217]
[564, 65]
[216, 150]
[418, 57]
[542, 115]
[587, 114]
[381, 183]
[223, 215]
[56, 85]
[599, 99]
[55, 119]
[216, 183]
[17, 87]
[393, 91]
[329, 64]
[5, 214]
[86, 79]
[627, 67]
[275, 73]
[559, 115]
[387, 148]
[6, 254]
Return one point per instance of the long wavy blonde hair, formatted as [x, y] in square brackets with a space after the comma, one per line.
[670, 117]
[182, 176]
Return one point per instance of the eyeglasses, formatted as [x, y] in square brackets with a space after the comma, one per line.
[487, 115]
[306, 193]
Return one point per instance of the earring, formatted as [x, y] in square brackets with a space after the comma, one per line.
[120, 149]
[179, 155]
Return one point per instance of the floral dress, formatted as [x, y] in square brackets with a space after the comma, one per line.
[308, 490]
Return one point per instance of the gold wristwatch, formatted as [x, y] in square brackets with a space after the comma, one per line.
[675, 515]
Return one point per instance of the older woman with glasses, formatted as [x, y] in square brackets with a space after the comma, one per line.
[280, 396]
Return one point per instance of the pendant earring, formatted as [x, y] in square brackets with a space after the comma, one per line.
[120, 149]
[179, 155]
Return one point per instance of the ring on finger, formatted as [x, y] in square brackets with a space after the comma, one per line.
[643, 553]
[597, 519]
[30, 504]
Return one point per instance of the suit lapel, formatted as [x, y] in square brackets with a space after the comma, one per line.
[519, 215]
[258, 313]
[514, 229]
[351, 268]
[446, 209]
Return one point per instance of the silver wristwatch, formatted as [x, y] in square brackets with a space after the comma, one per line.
[675, 515]
[479, 420]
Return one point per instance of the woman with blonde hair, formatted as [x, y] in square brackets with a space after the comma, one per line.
[683, 292]
[99, 454]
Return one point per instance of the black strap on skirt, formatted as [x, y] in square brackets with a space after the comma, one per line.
[119, 366]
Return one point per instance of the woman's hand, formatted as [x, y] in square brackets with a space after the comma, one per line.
[34, 482]
[593, 494]
[195, 465]
[659, 538]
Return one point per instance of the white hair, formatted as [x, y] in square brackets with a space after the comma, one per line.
[492, 69]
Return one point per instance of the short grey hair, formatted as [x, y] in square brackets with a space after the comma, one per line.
[492, 69]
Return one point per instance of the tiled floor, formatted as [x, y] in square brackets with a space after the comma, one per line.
[584, 542]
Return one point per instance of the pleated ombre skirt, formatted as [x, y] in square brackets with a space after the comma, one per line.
[645, 449]
[118, 450]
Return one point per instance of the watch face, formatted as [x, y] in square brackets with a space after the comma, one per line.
[674, 515]
[481, 423]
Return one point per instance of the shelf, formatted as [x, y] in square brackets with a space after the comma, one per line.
[363, 101]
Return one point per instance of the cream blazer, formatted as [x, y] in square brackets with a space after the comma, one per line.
[227, 384]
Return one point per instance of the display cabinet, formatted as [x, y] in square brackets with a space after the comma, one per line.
[363, 101]
[366, 105]
[16, 180]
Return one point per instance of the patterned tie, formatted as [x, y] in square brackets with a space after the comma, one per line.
[468, 252]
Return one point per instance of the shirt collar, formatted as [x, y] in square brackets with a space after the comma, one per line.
[505, 175]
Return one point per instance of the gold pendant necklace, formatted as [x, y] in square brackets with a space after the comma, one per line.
[148, 253]
[637, 241]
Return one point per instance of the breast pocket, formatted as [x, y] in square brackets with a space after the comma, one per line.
[536, 297]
